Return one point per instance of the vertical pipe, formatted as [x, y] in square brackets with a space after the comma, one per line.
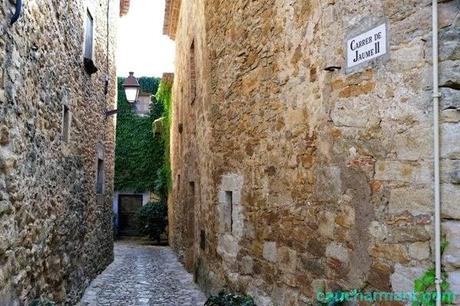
[437, 196]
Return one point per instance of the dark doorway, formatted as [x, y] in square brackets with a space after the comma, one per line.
[127, 209]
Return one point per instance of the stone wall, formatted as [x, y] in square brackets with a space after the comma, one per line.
[192, 184]
[56, 232]
[328, 175]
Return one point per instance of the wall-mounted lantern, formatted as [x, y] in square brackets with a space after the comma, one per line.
[132, 88]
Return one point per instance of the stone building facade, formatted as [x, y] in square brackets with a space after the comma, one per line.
[56, 147]
[291, 174]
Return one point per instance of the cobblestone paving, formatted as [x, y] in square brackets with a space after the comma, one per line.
[143, 275]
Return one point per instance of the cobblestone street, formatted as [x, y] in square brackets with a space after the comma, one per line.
[143, 275]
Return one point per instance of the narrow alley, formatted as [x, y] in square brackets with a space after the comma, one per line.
[143, 275]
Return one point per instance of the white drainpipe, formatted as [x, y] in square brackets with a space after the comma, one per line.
[437, 193]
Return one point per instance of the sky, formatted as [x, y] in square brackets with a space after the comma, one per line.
[142, 47]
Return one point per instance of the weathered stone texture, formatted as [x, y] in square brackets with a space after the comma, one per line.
[336, 168]
[55, 231]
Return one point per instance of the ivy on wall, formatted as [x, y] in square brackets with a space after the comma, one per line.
[138, 154]
[164, 180]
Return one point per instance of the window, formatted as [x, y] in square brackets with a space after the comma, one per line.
[66, 118]
[202, 240]
[229, 211]
[100, 176]
[89, 31]
[192, 190]
[192, 73]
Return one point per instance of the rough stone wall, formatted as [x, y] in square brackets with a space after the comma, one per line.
[189, 134]
[329, 174]
[56, 232]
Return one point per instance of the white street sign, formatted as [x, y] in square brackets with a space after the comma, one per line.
[367, 46]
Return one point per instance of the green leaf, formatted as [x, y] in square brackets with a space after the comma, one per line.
[429, 278]
[448, 297]
[445, 286]
[419, 285]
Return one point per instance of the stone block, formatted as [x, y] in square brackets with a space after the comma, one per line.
[4, 135]
[284, 296]
[346, 217]
[450, 172]
[408, 233]
[378, 230]
[270, 251]
[316, 247]
[2, 96]
[455, 177]
[450, 116]
[392, 252]
[448, 13]
[338, 251]
[408, 57]
[356, 112]
[419, 250]
[450, 99]
[7, 160]
[408, 28]
[454, 281]
[449, 74]
[379, 276]
[260, 296]
[5, 207]
[451, 255]
[8, 296]
[402, 280]
[450, 204]
[287, 259]
[329, 183]
[449, 48]
[326, 224]
[227, 247]
[414, 143]
[313, 266]
[418, 173]
[415, 201]
[247, 265]
[449, 140]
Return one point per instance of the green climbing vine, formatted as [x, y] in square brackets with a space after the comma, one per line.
[163, 182]
[138, 154]
[425, 288]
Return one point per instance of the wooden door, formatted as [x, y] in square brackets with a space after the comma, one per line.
[128, 206]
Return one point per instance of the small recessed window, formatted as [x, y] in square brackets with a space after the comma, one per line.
[100, 176]
[202, 240]
[88, 56]
[66, 118]
[89, 32]
[192, 73]
[192, 190]
[229, 211]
